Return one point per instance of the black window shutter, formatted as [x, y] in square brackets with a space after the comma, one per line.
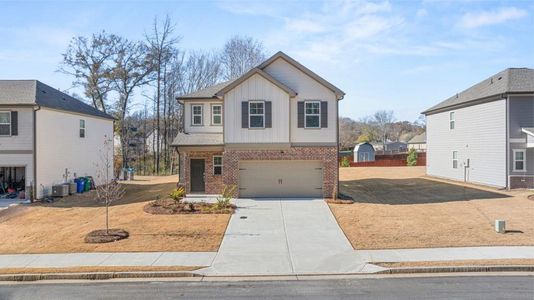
[324, 114]
[244, 114]
[300, 114]
[268, 114]
[14, 123]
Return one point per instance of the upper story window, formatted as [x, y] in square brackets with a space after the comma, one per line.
[196, 111]
[256, 114]
[217, 164]
[5, 123]
[216, 114]
[312, 114]
[455, 159]
[519, 160]
[451, 120]
[82, 128]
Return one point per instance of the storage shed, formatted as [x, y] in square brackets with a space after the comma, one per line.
[364, 152]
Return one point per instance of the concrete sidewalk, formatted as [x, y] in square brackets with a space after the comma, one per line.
[98, 259]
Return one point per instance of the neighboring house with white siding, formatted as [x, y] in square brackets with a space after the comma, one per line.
[273, 132]
[485, 134]
[44, 131]
[418, 142]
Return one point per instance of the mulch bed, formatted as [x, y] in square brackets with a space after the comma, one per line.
[103, 236]
[171, 207]
[338, 201]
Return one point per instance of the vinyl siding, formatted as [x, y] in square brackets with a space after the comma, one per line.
[256, 88]
[59, 146]
[307, 89]
[24, 139]
[479, 135]
[206, 120]
[521, 114]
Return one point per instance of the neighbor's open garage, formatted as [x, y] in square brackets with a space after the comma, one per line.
[280, 178]
[12, 181]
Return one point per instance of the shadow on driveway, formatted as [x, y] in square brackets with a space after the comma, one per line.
[411, 191]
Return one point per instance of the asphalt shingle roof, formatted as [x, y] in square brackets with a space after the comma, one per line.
[34, 92]
[208, 92]
[198, 139]
[418, 139]
[512, 80]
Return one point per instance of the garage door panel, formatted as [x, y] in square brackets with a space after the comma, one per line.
[280, 178]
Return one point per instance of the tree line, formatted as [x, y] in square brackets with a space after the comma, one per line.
[380, 127]
[112, 70]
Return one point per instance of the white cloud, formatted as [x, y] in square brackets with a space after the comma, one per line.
[300, 26]
[241, 7]
[421, 12]
[478, 19]
[369, 27]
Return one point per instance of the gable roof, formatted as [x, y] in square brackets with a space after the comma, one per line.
[339, 93]
[251, 73]
[221, 88]
[418, 139]
[34, 92]
[511, 80]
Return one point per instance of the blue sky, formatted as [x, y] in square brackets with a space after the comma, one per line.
[398, 55]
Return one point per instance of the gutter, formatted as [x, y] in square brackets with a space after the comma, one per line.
[466, 104]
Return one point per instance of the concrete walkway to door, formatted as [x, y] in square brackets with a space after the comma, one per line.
[283, 237]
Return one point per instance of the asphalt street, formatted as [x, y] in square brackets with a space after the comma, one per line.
[475, 287]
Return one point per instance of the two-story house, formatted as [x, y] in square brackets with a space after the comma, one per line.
[43, 132]
[273, 132]
[485, 134]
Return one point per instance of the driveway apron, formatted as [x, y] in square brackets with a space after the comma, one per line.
[283, 236]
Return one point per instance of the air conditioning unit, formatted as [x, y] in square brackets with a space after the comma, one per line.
[60, 190]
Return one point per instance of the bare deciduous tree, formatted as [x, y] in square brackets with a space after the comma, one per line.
[383, 120]
[90, 62]
[240, 54]
[132, 70]
[107, 188]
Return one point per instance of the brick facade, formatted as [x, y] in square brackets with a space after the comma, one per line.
[326, 154]
[522, 182]
[213, 183]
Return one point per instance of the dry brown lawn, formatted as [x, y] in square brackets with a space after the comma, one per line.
[61, 226]
[454, 263]
[398, 207]
[96, 269]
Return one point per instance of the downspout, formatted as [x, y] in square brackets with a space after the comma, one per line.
[337, 144]
[34, 191]
[507, 173]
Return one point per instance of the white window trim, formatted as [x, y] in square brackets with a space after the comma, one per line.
[524, 151]
[250, 115]
[214, 115]
[455, 159]
[221, 165]
[193, 114]
[84, 128]
[306, 114]
[10, 128]
[452, 120]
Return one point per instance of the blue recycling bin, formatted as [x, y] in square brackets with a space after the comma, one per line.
[80, 185]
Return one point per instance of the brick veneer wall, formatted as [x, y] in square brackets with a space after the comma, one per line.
[213, 183]
[522, 182]
[326, 154]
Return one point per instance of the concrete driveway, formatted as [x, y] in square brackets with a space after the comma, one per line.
[282, 237]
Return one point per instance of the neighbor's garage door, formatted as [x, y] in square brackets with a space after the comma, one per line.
[279, 178]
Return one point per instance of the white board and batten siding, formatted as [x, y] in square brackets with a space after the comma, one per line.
[60, 146]
[306, 88]
[21, 143]
[479, 135]
[256, 88]
[207, 126]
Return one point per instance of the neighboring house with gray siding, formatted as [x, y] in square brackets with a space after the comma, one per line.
[485, 134]
[273, 132]
[44, 131]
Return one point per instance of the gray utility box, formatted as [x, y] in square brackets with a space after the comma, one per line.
[500, 226]
[72, 188]
[60, 190]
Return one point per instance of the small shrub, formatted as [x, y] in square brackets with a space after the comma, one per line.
[178, 194]
[411, 160]
[226, 196]
[345, 162]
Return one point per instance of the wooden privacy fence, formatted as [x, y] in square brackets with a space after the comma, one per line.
[388, 160]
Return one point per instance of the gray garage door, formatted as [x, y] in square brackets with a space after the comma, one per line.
[279, 178]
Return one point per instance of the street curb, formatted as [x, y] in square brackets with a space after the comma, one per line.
[94, 275]
[458, 269]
